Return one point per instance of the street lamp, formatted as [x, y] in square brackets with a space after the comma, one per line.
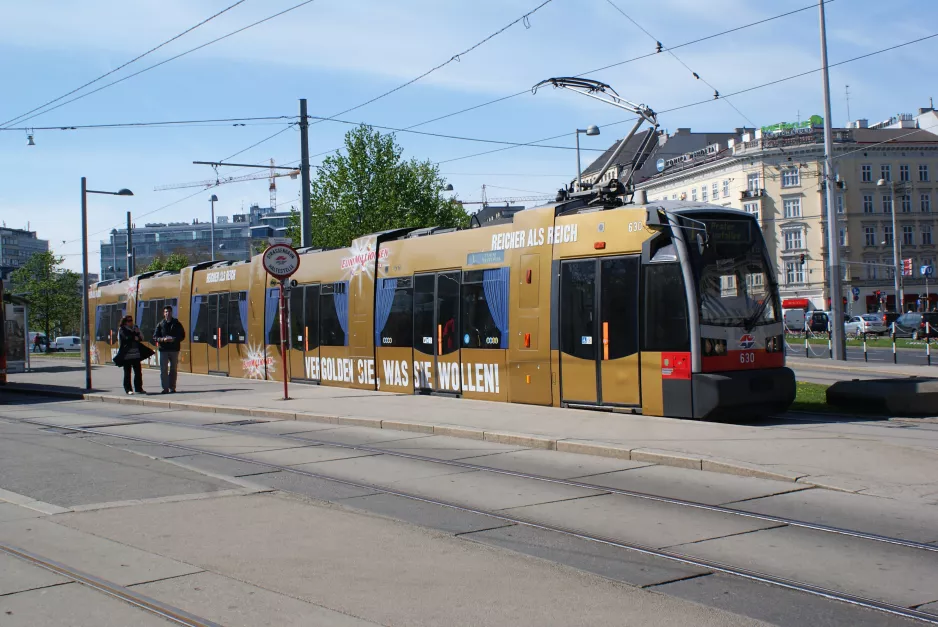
[590, 130]
[896, 256]
[86, 341]
[213, 200]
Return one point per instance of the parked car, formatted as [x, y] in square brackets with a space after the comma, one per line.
[794, 319]
[818, 322]
[913, 325]
[865, 324]
[66, 343]
[888, 318]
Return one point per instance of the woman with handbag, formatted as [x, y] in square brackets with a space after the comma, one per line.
[130, 353]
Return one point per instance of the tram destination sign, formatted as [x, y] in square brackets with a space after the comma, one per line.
[729, 231]
[281, 260]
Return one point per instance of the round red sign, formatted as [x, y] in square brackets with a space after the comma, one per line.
[281, 260]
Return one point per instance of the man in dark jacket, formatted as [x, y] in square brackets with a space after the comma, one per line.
[168, 336]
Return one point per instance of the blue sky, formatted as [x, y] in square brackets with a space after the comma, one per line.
[340, 54]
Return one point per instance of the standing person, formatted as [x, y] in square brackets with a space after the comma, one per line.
[168, 335]
[130, 353]
[37, 343]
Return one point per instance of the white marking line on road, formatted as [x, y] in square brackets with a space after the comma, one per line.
[165, 499]
[30, 503]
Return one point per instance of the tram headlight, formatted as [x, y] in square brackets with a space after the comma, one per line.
[774, 344]
[713, 348]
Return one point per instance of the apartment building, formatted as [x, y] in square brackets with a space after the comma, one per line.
[16, 247]
[775, 173]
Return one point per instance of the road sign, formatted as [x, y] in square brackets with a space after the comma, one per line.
[856, 291]
[928, 270]
[280, 240]
[281, 260]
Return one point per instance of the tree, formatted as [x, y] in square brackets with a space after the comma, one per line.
[54, 294]
[371, 188]
[175, 262]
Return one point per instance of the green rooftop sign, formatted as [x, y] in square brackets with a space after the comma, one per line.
[794, 127]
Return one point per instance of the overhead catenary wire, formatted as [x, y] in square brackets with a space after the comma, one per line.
[123, 65]
[220, 121]
[165, 61]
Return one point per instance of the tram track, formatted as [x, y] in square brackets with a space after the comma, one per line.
[663, 553]
[152, 606]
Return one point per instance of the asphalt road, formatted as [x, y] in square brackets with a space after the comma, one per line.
[196, 531]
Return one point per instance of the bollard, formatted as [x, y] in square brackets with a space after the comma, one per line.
[865, 358]
[830, 344]
[806, 354]
[927, 343]
[894, 343]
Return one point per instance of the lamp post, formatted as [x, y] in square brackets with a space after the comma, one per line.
[86, 341]
[590, 130]
[896, 251]
[213, 200]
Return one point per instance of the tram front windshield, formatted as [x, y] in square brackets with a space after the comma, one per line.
[735, 285]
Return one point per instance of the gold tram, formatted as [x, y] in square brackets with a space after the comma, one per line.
[668, 309]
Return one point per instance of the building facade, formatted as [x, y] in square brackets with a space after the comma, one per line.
[881, 174]
[16, 247]
[235, 240]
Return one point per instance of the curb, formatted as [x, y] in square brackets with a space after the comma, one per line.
[584, 447]
[858, 370]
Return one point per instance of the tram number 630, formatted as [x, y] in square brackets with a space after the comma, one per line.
[747, 358]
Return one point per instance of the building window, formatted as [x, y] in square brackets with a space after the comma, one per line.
[794, 272]
[923, 172]
[906, 201]
[716, 190]
[867, 203]
[887, 235]
[885, 172]
[840, 203]
[726, 188]
[887, 203]
[673, 196]
[752, 208]
[908, 235]
[866, 173]
[693, 194]
[703, 194]
[871, 270]
[926, 234]
[869, 236]
[791, 177]
[793, 240]
[792, 207]
[904, 172]
[843, 236]
[926, 203]
[752, 182]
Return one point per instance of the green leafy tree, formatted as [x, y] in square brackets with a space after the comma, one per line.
[54, 294]
[174, 262]
[372, 188]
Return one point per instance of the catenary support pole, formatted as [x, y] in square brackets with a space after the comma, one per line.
[86, 338]
[306, 236]
[833, 239]
[131, 270]
[283, 339]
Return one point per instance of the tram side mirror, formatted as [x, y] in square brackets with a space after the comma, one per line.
[701, 243]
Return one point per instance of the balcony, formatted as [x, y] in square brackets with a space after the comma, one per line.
[751, 193]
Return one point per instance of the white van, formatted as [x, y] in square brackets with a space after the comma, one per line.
[794, 319]
[66, 343]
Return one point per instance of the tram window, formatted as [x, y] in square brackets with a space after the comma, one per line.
[578, 309]
[424, 333]
[619, 313]
[237, 317]
[665, 314]
[311, 317]
[103, 323]
[397, 330]
[272, 316]
[199, 322]
[485, 309]
[296, 317]
[333, 315]
[447, 296]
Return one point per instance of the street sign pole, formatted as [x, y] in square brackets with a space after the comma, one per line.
[281, 261]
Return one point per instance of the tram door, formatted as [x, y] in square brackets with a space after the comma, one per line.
[436, 332]
[217, 344]
[304, 332]
[599, 331]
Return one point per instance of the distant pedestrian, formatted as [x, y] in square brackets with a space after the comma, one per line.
[37, 344]
[130, 353]
[168, 335]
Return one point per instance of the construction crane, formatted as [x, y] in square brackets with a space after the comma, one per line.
[272, 176]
